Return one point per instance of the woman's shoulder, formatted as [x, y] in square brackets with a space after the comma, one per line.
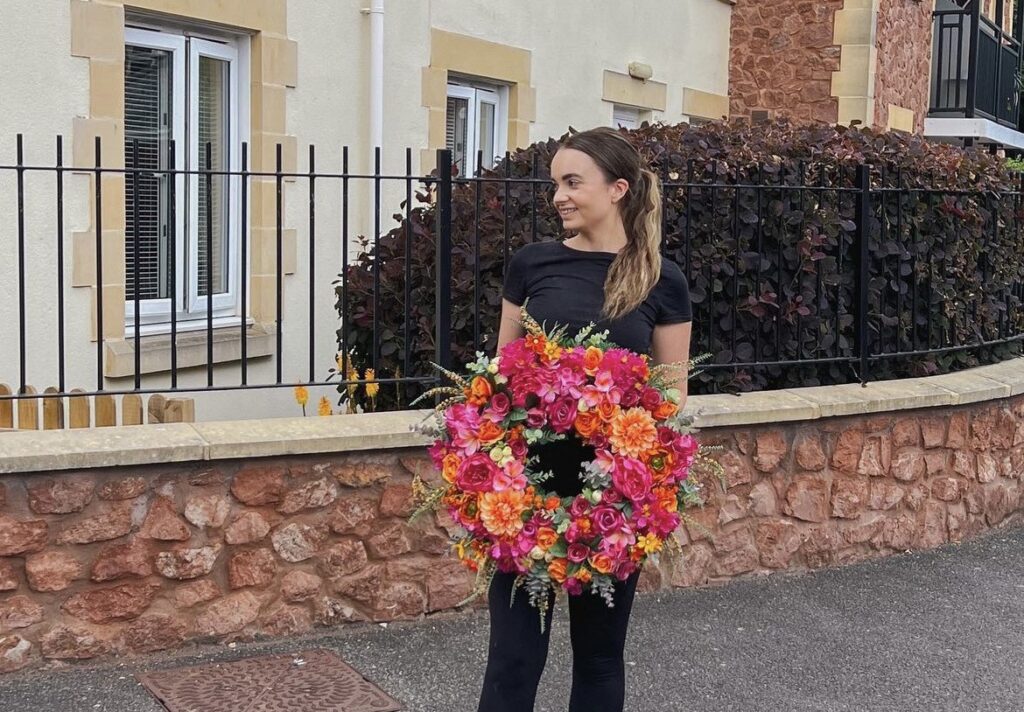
[671, 272]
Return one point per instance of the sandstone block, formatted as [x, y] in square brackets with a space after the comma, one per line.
[152, 633]
[300, 586]
[810, 454]
[255, 567]
[15, 653]
[18, 537]
[297, 542]
[187, 563]
[163, 522]
[62, 496]
[847, 453]
[19, 612]
[777, 541]
[807, 498]
[115, 561]
[448, 582]
[771, 450]
[312, 495]
[850, 496]
[248, 527]
[343, 558]
[209, 510]
[258, 484]
[397, 501]
[351, 512]
[390, 540]
[113, 523]
[229, 615]
[128, 488]
[51, 570]
[67, 643]
[201, 591]
[120, 603]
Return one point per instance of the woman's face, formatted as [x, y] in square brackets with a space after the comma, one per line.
[583, 196]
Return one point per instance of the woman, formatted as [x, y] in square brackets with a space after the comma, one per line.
[610, 272]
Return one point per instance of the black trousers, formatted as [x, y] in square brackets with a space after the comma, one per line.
[518, 650]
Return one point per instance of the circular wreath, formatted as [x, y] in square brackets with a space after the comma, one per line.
[541, 388]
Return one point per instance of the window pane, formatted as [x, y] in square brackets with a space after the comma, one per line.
[213, 137]
[457, 129]
[487, 133]
[626, 117]
[147, 118]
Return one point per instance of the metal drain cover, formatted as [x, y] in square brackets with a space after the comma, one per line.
[313, 681]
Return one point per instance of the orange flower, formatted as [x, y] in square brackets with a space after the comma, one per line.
[587, 423]
[301, 395]
[450, 467]
[665, 409]
[546, 537]
[556, 570]
[584, 524]
[633, 432]
[592, 360]
[602, 563]
[502, 512]
[552, 502]
[479, 391]
[583, 574]
[607, 410]
[666, 497]
[490, 432]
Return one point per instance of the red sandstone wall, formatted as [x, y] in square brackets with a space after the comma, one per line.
[782, 59]
[139, 559]
[904, 43]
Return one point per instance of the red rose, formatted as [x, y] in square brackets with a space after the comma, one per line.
[476, 473]
[536, 417]
[562, 414]
[607, 520]
[578, 553]
[650, 398]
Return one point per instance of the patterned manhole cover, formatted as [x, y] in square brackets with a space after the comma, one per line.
[314, 681]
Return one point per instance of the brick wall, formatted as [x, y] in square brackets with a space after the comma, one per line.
[782, 58]
[904, 42]
[137, 559]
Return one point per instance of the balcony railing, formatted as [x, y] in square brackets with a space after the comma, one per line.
[975, 67]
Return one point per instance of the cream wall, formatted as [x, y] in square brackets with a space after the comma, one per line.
[570, 46]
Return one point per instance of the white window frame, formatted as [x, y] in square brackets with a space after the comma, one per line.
[476, 95]
[187, 47]
[625, 116]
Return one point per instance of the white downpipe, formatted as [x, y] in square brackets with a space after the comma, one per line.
[376, 13]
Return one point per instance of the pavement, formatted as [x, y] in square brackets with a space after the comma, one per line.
[940, 630]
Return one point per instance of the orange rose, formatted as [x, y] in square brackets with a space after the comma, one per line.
[480, 391]
[556, 570]
[587, 423]
[592, 360]
[450, 466]
[607, 410]
[546, 537]
[583, 575]
[552, 502]
[665, 409]
[602, 563]
[666, 498]
[490, 432]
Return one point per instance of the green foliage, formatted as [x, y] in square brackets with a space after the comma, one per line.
[945, 267]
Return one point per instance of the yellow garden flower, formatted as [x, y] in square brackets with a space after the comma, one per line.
[301, 397]
[325, 406]
[372, 387]
[648, 543]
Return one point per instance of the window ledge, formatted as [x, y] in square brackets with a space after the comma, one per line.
[119, 357]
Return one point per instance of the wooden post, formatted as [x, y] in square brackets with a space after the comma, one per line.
[106, 411]
[79, 415]
[131, 409]
[53, 411]
[28, 411]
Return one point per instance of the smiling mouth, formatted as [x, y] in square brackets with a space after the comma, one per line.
[566, 212]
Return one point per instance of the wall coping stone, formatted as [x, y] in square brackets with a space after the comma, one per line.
[46, 451]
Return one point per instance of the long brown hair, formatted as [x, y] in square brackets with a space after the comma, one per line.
[637, 267]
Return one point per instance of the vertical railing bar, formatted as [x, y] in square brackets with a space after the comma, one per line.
[22, 319]
[60, 265]
[735, 267]
[209, 263]
[136, 297]
[757, 269]
[344, 262]
[443, 257]
[172, 277]
[900, 257]
[312, 262]
[476, 251]
[802, 177]
[279, 262]
[711, 273]
[244, 266]
[533, 194]
[972, 60]
[376, 263]
[862, 235]
[780, 239]
[98, 175]
[407, 327]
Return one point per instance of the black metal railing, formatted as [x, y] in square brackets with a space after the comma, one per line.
[823, 268]
[975, 67]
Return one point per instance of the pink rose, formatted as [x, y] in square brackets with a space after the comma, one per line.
[666, 436]
[630, 398]
[562, 414]
[519, 448]
[632, 479]
[501, 405]
[579, 507]
[607, 520]
[536, 417]
[624, 570]
[573, 586]
[476, 473]
[578, 553]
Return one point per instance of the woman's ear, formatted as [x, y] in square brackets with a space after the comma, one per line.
[619, 188]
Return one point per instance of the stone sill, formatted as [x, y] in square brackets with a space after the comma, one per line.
[43, 451]
[119, 357]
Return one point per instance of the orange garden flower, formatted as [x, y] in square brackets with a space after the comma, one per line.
[607, 410]
[301, 396]
[552, 502]
[557, 570]
[324, 407]
[372, 387]
[587, 423]
[633, 432]
[451, 464]
[490, 432]
[502, 512]
[592, 360]
[479, 392]
[666, 497]
[665, 409]
[583, 574]
[602, 563]
[546, 537]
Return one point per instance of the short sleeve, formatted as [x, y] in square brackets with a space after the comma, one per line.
[514, 286]
[674, 301]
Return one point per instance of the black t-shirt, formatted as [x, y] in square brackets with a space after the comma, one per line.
[566, 286]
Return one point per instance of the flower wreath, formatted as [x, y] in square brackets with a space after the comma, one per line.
[541, 388]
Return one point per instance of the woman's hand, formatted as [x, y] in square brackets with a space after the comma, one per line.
[671, 343]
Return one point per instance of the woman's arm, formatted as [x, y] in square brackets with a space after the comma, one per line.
[509, 329]
[669, 343]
